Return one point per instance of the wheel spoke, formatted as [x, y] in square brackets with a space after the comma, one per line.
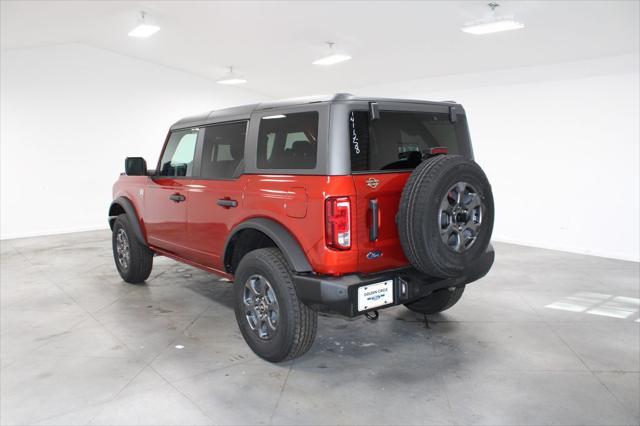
[272, 319]
[262, 308]
[445, 231]
[453, 240]
[468, 237]
[254, 285]
[460, 189]
[122, 249]
[473, 200]
[263, 328]
[460, 216]
[474, 226]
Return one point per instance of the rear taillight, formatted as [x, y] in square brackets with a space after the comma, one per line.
[338, 223]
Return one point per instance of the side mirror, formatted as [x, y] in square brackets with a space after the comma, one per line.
[135, 166]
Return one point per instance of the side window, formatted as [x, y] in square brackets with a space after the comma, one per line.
[177, 159]
[288, 141]
[223, 151]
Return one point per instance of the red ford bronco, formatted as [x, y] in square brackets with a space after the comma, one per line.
[339, 203]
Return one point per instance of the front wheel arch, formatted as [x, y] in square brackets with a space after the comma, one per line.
[123, 205]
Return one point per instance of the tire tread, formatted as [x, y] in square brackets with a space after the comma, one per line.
[141, 262]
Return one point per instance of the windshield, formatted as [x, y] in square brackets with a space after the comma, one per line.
[400, 140]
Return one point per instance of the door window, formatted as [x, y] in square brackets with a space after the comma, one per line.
[223, 151]
[177, 160]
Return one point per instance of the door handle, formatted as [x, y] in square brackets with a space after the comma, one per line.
[373, 232]
[178, 198]
[227, 203]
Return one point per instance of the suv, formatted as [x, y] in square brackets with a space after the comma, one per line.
[337, 203]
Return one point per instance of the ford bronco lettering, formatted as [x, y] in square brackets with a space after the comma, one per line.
[338, 203]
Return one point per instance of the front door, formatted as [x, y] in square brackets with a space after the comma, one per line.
[166, 196]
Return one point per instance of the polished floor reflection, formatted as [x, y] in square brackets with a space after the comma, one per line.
[546, 338]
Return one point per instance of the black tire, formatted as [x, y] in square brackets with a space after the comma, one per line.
[296, 324]
[140, 262]
[438, 301]
[420, 216]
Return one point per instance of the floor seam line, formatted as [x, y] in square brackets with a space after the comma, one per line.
[182, 393]
[284, 385]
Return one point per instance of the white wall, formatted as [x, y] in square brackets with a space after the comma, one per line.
[70, 114]
[560, 146]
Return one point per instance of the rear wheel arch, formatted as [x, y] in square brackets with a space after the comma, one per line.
[123, 205]
[260, 233]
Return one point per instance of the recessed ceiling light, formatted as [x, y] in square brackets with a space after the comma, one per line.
[143, 29]
[492, 24]
[231, 78]
[332, 58]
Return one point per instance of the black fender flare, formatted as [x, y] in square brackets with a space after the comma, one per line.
[280, 235]
[130, 211]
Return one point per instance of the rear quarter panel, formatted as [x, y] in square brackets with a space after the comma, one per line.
[297, 203]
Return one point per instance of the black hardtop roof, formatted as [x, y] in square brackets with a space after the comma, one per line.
[244, 111]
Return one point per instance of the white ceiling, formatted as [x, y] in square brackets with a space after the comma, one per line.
[273, 43]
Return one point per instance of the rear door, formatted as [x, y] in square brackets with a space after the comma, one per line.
[166, 198]
[216, 193]
[384, 152]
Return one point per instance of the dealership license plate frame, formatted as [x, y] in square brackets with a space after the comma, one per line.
[367, 299]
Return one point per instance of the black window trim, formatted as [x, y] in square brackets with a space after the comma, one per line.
[196, 163]
[291, 171]
[200, 149]
[324, 159]
[376, 172]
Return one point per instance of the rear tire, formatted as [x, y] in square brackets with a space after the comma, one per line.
[133, 259]
[274, 322]
[438, 301]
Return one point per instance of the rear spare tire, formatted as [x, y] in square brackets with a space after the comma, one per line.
[445, 217]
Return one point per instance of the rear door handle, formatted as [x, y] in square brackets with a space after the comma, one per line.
[373, 232]
[225, 202]
[178, 198]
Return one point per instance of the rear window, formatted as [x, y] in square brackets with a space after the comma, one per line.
[398, 140]
[288, 141]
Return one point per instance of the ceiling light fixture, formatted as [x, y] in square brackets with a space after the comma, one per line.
[333, 57]
[143, 29]
[492, 24]
[231, 78]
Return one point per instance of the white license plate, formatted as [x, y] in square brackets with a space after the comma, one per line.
[373, 295]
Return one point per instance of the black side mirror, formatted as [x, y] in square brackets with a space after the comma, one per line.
[135, 166]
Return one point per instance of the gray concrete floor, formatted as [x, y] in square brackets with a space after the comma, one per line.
[546, 338]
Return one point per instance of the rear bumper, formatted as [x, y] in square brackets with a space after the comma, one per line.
[340, 294]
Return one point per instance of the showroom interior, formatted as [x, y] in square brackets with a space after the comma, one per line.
[551, 334]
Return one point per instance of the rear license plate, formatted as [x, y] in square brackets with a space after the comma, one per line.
[373, 295]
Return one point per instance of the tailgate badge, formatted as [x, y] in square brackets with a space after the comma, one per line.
[374, 254]
[372, 182]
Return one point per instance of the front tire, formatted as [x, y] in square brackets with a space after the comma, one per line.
[133, 259]
[436, 302]
[274, 322]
